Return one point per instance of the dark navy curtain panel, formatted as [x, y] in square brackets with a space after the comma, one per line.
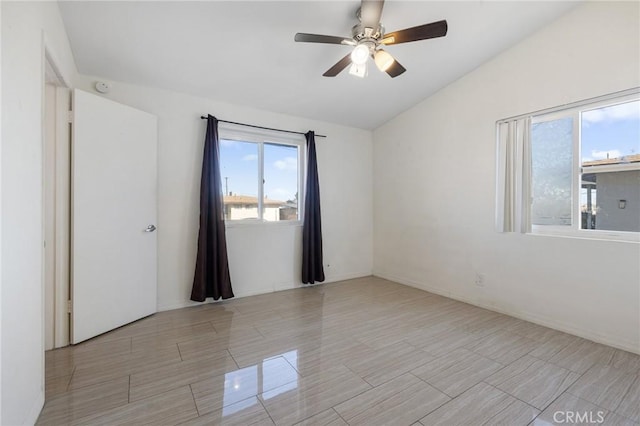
[212, 277]
[312, 269]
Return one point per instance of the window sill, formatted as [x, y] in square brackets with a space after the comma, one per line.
[256, 222]
[599, 235]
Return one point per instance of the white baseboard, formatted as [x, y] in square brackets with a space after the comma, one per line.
[34, 412]
[178, 304]
[545, 321]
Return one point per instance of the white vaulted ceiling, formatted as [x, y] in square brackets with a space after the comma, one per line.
[243, 52]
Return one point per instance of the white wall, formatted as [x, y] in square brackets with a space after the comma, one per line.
[1, 281]
[263, 258]
[434, 185]
[26, 27]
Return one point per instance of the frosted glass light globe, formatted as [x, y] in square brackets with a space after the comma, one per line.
[383, 60]
[360, 54]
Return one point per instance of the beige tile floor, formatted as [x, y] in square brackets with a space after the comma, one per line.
[360, 352]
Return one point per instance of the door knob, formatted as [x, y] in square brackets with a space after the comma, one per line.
[150, 228]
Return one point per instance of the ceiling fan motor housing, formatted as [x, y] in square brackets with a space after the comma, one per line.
[361, 33]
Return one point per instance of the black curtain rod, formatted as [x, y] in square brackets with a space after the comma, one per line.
[263, 128]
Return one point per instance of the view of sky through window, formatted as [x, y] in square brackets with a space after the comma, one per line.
[280, 172]
[239, 169]
[610, 132]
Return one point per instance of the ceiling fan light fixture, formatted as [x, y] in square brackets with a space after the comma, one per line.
[383, 60]
[360, 54]
[359, 70]
[368, 36]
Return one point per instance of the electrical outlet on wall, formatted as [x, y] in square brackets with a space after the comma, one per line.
[480, 279]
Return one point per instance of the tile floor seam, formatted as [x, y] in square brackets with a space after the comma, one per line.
[179, 352]
[79, 420]
[560, 350]
[359, 412]
[292, 366]
[355, 374]
[392, 378]
[258, 331]
[210, 324]
[566, 368]
[264, 407]
[552, 355]
[437, 408]
[437, 388]
[548, 362]
[213, 326]
[350, 398]
[591, 367]
[194, 400]
[105, 380]
[566, 389]
[497, 362]
[339, 415]
[66, 389]
[232, 358]
[62, 395]
[513, 396]
[124, 405]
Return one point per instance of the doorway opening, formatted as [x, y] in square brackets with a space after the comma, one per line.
[56, 180]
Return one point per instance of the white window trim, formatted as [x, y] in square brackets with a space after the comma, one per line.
[260, 137]
[588, 234]
[604, 99]
[574, 110]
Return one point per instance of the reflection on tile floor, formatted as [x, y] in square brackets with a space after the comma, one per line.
[365, 351]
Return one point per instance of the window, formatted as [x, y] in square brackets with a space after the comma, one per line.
[579, 169]
[551, 164]
[261, 176]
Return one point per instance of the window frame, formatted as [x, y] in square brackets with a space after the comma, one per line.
[575, 112]
[261, 137]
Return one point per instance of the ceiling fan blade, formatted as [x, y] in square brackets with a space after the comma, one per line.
[338, 67]
[370, 13]
[318, 38]
[395, 69]
[421, 32]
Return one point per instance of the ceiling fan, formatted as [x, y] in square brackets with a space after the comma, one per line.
[368, 37]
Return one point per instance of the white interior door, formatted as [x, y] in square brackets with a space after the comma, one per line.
[114, 179]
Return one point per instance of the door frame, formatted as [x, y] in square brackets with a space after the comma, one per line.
[62, 202]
